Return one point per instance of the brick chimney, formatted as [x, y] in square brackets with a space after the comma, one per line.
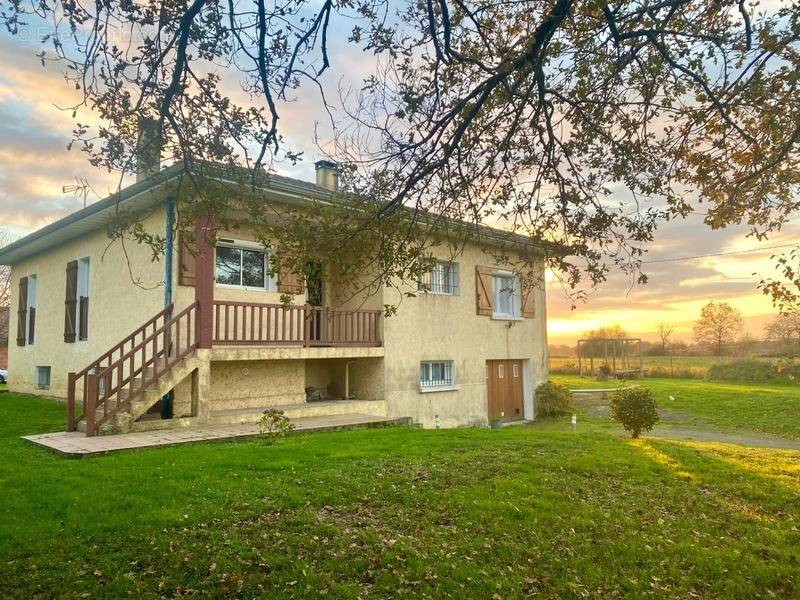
[327, 174]
[148, 148]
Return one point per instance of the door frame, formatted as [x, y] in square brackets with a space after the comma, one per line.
[526, 385]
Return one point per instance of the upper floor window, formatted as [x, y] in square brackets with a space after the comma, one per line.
[436, 374]
[507, 296]
[243, 264]
[441, 278]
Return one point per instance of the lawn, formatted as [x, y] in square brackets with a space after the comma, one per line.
[763, 407]
[534, 510]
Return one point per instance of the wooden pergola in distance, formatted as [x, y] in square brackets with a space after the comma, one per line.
[614, 352]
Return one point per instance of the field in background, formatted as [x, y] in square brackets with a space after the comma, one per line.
[677, 365]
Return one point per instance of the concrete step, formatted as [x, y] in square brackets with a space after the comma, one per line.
[143, 399]
[299, 411]
[119, 423]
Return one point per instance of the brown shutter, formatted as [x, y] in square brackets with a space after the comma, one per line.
[22, 311]
[483, 290]
[528, 299]
[186, 262]
[290, 282]
[71, 301]
[83, 307]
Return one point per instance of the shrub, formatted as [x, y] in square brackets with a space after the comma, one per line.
[553, 400]
[677, 371]
[603, 371]
[635, 408]
[788, 368]
[274, 424]
[745, 370]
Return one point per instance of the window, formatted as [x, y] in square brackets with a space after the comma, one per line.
[436, 374]
[243, 264]
[83, 299]
[441, 278]
[43, 378]
[31, 308]
[507, 297]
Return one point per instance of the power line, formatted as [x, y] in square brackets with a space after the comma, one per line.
[682, 258]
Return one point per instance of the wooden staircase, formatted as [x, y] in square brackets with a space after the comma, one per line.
[122, 385]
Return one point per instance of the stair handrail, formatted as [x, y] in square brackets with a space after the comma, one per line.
[95, 365]
[165, 344]
[142, 329]
[170, 351]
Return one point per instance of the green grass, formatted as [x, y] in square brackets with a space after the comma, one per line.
[763, 407]
[397, 513]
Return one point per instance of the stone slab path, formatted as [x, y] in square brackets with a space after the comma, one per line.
[76, 444]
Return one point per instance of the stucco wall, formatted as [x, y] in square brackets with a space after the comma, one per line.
[366, 380]
[428, 327]
[256, 384]
[441, 327]
[119, 301]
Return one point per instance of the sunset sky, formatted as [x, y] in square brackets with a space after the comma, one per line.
[35, 165]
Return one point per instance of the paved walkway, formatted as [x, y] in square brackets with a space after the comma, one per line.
[756, 440]
[76, 444]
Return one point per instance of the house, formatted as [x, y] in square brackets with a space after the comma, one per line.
[201, 336]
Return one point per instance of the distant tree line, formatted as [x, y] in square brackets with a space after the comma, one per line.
[719, 331]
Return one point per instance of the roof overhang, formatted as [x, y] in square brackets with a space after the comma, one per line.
[148, 193]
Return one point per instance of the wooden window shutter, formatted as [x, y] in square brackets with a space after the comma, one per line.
[483, 290]
[22, 311]
[186, 262]
[71, 301]
[290, 282]
[528, 299]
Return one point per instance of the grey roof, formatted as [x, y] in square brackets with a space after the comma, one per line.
[136, 198]
[149, 192]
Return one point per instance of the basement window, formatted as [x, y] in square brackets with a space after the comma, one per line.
[436, 375]
[43, 378]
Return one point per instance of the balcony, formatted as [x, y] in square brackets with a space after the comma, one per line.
[305, 326]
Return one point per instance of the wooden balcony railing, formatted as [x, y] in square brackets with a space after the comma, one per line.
[257, 324]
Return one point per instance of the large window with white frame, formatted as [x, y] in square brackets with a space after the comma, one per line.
[439, 278]
[507, 296]
[243, 264]
[436, 374]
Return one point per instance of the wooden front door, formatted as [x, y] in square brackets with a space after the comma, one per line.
[504, 389]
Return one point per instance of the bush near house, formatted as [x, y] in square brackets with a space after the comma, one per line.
[634, 408]
[553, 400]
